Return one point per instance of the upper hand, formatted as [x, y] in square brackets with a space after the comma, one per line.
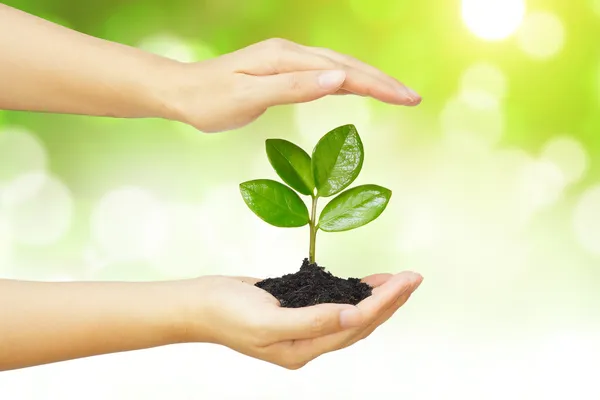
[234, 313]
[233, 90]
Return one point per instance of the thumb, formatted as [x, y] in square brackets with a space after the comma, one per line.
[315, 321]
[298, 87]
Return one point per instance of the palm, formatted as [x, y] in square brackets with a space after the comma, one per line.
[240, 292]
[247, 314]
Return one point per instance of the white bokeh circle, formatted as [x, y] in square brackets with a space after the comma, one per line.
[92, 259]
[315, 119]
[20, 152]
[208, 237]
[170, 46]
[5, 244]
[129, 224]
[479, 99]
[485, 77]
[493, 19]
[479, 122]
[38, 208]
[569, 155]
[421, 228]
[540, 185]
[595, 4]
[542, 35]
[183, 253]
[220, 235]
[586, 220]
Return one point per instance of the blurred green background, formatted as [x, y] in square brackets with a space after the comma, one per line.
[495, 176]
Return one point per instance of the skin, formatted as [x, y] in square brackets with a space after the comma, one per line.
[53, 69]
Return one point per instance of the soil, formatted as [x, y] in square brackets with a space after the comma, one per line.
[313, 285]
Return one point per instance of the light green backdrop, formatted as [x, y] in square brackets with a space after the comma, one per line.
[495, 176]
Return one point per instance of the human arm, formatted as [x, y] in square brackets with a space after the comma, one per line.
[48, 68]
[45, 322]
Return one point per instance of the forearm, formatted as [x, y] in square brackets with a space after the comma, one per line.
[48, 68]
[47, 322]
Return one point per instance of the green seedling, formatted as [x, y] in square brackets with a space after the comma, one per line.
[336, 162]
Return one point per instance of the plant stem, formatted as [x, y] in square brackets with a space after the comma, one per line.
[313, 230]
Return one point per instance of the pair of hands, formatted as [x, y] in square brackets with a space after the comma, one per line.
[233, 90]
[242, 86]
[236, 314]
[49, 322]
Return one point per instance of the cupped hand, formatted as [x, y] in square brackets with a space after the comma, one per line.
[233, 90]
[236, 314]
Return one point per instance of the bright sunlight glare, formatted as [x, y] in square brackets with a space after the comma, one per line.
[493, 19]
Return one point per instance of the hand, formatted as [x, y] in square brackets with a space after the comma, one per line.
[233, 90]
[97, 77]
[236, 314]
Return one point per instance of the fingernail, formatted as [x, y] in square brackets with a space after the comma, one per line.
[331, 79]
[411, 94]
[418, 281]
[350, 318]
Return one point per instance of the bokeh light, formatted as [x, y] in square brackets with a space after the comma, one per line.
[38, 208]
[586, 220]
[569, 155]
[315, 119]
[542, 35]
[493, 19]
[20, 152]
[168, 46]
[129, 224]
[200, 240]
[541, 185]
[420, 229]
[184, 253]
[470, 121]
[485, 77]
[595, 4]
[5, 243]
[495, 186]
[92, 259]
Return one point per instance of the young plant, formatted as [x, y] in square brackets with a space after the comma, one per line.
[336, 162]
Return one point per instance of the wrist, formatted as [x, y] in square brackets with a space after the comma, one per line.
[167, 86]
[186, 319]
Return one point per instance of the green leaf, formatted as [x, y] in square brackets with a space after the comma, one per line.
[337, 160]
[354, 208]
[275, 203]
[292, 164]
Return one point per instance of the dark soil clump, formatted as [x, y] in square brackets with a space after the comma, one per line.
[313, 285]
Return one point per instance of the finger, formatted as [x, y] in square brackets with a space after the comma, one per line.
[312, 322]
[365, 85]
[353, 62]
[344, 92]
[304, 86]
[381, 320]
[371, 309]
[386, 316]
[362, 66]
[296, 87]
[278, 56]
[398, 302]
[383, 296]
[377, 280]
